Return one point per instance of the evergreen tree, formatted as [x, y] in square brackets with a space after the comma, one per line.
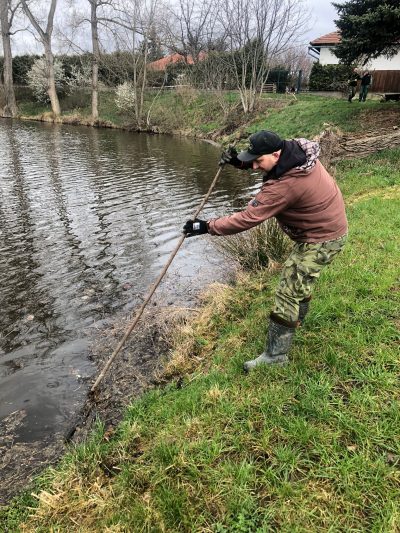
[369, 28]
[154, 47]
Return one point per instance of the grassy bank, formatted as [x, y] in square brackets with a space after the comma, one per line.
[205, 114]
[314, 446]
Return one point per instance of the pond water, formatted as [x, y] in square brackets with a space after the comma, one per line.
[88, 218]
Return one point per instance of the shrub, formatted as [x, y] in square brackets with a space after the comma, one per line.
[257, 248]
[38, 79]
[79, 77]
[21, 66]
[125, 96]
[329, 77]
[279, 76]
[177, 73]
[156, 78]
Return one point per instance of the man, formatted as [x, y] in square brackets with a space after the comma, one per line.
[352, 84]
[305, 200]
[365, 84]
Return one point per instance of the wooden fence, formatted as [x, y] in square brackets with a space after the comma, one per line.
[385, 81]
[269, 88]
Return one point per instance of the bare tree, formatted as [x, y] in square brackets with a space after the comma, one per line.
[94, 4]
[122, 20]
[189, 27]
[102, 13]
[136, 25]
[296, 59]
[7, 12]
[257, 32]
[144, 26]
[45, 36]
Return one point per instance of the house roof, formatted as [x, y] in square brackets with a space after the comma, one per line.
[328, 39]
[161, 64]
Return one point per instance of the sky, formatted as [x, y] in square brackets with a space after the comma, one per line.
[321, 22]
[323, 14]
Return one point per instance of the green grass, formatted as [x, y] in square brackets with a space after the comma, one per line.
[313, 446]
[28, 108]
[200, 113]
[309, 115]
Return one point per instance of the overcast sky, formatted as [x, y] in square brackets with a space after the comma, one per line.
[321, 22]
[323, 14]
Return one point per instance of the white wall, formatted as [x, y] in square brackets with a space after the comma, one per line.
[326, 57]
[381, 63]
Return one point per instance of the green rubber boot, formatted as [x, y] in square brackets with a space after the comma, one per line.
[280, 338]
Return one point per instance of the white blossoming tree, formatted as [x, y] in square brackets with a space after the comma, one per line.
[80, 77]
[125, 97]
[38, 79]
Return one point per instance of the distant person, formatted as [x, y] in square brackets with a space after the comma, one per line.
[352, 84]
[366, 79]
[307, 203]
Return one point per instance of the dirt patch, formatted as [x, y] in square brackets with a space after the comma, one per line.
[381, 121]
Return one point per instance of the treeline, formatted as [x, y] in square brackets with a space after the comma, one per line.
[218, 49]
[116, 68]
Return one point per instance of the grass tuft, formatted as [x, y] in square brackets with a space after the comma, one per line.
[264, 246]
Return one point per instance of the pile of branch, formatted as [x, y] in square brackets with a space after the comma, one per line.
[335, 145]
[369, 145]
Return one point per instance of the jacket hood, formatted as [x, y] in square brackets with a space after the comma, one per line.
[297, 155]
[312, 151]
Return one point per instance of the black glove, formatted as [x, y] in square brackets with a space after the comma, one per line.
[230, 157]
[195, 227]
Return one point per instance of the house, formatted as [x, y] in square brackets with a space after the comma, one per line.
[161, 64]
[385, 72]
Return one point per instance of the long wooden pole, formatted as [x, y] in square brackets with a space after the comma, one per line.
[152, 291]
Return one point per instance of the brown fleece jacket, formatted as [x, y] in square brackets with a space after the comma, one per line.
[305, 200]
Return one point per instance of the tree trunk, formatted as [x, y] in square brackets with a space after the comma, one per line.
[45, 38]
[95, 61]
[52, 91]
[10, 109]
[55, 103]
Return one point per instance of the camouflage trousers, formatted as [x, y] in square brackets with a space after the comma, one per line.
[300, 272]
[351, 93]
